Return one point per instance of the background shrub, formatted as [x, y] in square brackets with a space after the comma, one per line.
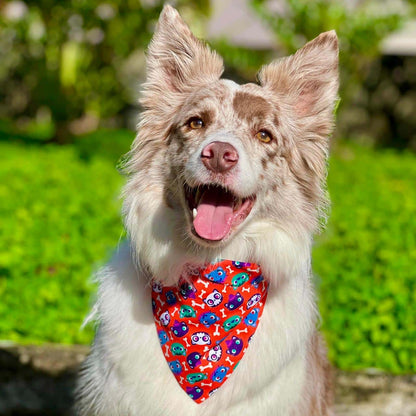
[75, 65]
[365, 260]
[75, 60]
[59, 219]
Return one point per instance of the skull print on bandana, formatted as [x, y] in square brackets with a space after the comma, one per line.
[205, 323]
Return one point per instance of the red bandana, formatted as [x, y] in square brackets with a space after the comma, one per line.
[206, 322]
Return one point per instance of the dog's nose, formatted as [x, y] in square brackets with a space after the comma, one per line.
[219, 156]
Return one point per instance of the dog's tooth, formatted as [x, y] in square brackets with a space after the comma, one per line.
[194, 212]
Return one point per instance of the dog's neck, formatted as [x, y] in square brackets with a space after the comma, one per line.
[280, 254]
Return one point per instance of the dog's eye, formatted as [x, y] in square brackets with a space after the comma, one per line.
[264, 136]
[195, 123]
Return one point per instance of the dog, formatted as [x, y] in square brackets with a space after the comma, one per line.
[218, 171]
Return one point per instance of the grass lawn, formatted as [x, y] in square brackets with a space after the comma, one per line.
[59, 220]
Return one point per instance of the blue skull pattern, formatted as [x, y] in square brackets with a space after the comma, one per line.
[252, 317]
[208, 318]
[219, 374]
[175, 366]
[217, 276]
[256, 281]
[171, 298]
[163, 337]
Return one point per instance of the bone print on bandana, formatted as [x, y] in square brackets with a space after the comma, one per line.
[206, 322]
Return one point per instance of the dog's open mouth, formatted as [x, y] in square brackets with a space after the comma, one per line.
[215, 211]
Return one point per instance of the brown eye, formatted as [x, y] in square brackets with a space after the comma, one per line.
[264, 136]
[195, 123]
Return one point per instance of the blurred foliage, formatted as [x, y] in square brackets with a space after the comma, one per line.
[76, 64]
[59, 216]
[61, 61]
[365, 260]
[360, 29]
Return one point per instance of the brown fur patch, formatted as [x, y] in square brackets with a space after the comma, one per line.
[207, 116]
[249, 106]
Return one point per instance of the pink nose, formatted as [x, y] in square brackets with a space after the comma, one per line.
[219, 156]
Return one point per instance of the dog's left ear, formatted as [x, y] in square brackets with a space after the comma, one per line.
[308, 80]
[177, 62]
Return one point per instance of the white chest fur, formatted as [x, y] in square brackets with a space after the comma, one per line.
[127, 374]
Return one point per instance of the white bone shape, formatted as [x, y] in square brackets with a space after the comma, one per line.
[181, 380]
[158, 312]
[186, 342]
[206, 384]
[253, 270]
[192, 323]
[239, 331]
[246, 289]
[223, 313]
[204, 367]
[184, 366]
[216, 330]
[203, 282]
[160, 300]
[175, 310]
[201, 305]
[167, 349]
[229, 269]
[225, 289]
[229, 361]
[242, 310]
[202, 293]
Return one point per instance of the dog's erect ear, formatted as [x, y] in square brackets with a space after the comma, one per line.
[309, 78]
[306, 84]
[177, 61]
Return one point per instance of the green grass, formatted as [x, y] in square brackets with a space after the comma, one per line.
[366, 260]
[59, 220]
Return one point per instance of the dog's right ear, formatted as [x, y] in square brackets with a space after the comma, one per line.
[177, 62]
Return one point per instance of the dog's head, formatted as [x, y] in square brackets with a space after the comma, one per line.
[216, 167]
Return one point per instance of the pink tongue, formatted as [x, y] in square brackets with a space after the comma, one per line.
[215, 214]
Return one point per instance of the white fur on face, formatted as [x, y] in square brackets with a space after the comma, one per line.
[243, 178]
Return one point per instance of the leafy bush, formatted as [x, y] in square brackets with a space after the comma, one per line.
[365, 260]
[60, 220]
[61, 61]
